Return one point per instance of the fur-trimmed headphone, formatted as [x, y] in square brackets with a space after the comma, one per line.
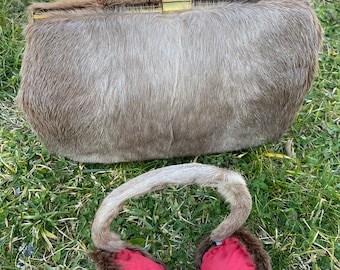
[227, 247]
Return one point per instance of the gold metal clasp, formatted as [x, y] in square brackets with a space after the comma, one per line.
[169, 6]
[38, 16]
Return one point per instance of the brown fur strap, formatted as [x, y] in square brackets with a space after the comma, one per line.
[110, 3]
[60, 5]
[229, 184]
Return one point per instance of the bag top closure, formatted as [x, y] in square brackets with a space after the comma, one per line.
[40, 11]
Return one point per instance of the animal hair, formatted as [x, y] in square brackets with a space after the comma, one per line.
[65, 5]
[104, 260]
[247, 239]
[61, 5]
[229, 184]
[104, 85]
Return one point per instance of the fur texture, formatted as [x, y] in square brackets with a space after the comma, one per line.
[228, 183]
[104, 260]
[99, 85]
[65, 5]
[248, 240]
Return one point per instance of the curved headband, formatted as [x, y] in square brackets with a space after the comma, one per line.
[229, 184]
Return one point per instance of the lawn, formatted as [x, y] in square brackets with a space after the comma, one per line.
[47, 202]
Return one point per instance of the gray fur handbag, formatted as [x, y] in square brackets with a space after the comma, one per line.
[112, 81]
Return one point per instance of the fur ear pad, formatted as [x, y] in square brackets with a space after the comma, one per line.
[228, 246]
[242, 247]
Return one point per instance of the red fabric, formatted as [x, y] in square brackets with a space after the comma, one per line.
[230, 255]
[134, 260]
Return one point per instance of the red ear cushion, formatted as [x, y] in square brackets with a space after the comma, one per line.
[230, 255]
[133, 260]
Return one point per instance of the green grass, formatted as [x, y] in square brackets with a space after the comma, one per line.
[48, 202]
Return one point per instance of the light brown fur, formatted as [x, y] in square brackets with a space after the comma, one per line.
[64, 5]
[61, 5]
[229, 184]
[99, 85]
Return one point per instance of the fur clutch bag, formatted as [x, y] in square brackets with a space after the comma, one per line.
[112, 81]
